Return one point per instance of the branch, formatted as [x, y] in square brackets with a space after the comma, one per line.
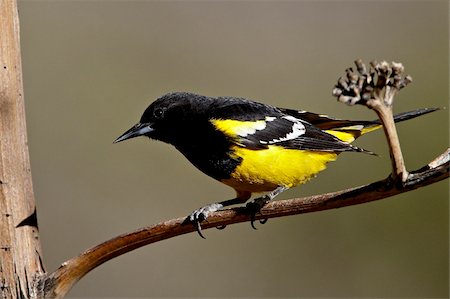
[58, 283]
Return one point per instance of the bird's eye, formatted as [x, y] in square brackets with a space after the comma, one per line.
[158, 113]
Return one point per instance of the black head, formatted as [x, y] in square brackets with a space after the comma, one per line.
[169, 117]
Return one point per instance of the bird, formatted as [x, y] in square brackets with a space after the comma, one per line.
[248, 145]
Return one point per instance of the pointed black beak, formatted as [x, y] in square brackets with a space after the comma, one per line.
[136, 131]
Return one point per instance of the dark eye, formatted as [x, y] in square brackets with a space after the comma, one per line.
[158, 113]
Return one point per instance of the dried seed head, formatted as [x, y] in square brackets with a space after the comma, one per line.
[366, 84]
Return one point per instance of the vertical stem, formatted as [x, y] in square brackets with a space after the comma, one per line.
[20, 249]
[385, 114]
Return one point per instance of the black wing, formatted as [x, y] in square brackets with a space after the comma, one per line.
[292, 133]
[263, 125]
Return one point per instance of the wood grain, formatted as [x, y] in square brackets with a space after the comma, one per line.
[20, 262]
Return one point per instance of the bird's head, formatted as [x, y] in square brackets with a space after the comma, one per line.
[168, 117]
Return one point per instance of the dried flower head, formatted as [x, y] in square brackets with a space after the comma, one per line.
[380, 82]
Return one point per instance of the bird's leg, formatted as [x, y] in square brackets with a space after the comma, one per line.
[258, 203]
[199, 215]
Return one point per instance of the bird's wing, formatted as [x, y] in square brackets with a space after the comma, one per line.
[281, 130]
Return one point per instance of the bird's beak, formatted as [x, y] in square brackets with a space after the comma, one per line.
[136, 131]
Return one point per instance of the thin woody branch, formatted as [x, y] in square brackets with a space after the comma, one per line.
[58, 283]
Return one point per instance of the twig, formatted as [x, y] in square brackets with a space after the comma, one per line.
[58, 283]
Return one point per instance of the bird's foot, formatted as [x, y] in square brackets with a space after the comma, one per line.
[255, 206]
[200, 215]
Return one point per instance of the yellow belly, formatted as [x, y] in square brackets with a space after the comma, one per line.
[265, 170]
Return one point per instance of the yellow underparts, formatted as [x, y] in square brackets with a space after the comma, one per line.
[266, 169]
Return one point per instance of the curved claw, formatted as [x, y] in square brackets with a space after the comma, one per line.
[252, 223]
[198, 227]
[251, 207]
[255, 207]
[200, 215]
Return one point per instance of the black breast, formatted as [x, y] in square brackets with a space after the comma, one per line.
[208, 150]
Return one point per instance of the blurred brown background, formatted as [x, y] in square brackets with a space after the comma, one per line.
[90, 69]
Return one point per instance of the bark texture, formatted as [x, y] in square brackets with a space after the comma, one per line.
[20, 249]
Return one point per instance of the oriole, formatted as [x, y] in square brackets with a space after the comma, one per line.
[250, 146]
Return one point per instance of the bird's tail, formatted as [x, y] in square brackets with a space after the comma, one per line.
[376, 124]
[412, 114]
[350, 130]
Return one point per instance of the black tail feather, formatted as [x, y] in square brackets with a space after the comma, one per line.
[409, 115]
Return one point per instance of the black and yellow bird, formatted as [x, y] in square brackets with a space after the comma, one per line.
[250, 146]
